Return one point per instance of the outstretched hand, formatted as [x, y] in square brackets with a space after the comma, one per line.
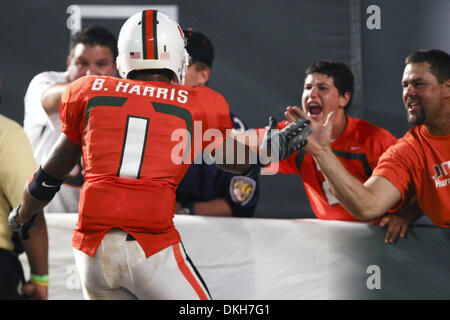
[321, 135]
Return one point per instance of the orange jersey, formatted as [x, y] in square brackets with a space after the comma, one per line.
[358, 148]
[420, 163]
[133, 157]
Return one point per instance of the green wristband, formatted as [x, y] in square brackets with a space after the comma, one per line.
[39, 278]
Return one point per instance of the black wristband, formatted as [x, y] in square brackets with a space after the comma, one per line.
[43, 186]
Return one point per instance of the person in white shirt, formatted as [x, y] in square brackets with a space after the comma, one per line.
[92, 51]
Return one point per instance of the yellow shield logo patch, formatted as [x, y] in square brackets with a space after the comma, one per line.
[242, 189]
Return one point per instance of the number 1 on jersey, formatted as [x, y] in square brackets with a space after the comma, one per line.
[133, 147]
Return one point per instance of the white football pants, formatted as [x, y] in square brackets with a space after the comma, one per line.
[119, 270]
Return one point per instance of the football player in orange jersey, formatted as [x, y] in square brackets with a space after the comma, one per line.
[125, 243]
[417, 165]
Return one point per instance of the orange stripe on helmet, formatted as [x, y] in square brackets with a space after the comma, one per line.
[149, 35]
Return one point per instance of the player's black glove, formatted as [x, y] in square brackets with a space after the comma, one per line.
[294, 137]
[20, 227]
[280, 144]
[277, 144]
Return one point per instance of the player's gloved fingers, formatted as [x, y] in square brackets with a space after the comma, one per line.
[303, 143]
[15, 226]
[300, 145]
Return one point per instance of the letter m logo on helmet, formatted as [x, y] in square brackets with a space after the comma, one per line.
[152, 40]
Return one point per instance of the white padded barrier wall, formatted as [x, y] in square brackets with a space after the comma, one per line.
[271, 259]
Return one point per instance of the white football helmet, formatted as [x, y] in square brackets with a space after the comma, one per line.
[152, 40]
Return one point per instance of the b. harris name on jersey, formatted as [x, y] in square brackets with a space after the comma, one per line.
[172, 94]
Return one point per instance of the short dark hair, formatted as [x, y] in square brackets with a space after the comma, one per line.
[343, 78]
[438, 59]
[134, 74]
[95, 36]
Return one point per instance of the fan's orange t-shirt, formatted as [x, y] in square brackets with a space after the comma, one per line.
[358, 148]
[420, 163]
